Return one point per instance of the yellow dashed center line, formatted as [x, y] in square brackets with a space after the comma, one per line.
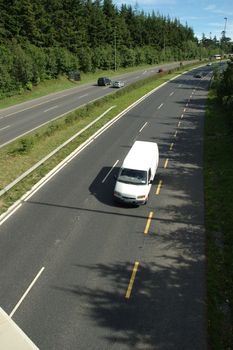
[148, 223]
[159, 187]
[166, 163]
[131, 282]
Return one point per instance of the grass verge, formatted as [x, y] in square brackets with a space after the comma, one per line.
[218, 178]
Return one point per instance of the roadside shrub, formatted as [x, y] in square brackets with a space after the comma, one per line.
[29, 86]
[25, 145]
[52, 129]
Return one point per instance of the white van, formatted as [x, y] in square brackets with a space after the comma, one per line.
[137, 173]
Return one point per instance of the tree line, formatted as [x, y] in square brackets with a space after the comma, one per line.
[223, 84]
[41, 39]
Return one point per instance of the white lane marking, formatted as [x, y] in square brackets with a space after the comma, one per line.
[110, 171]
[175, 133]
[27, 291]
[5, 127]
[10, 213]
[171, 93]
[143, 126]
[49, 109]
[182, 116]
[180, 85]
[178, 124]
[82, 96]
[160, 106]
[144, 72]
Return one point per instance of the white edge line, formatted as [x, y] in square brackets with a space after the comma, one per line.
[35, 166]
[16, 207]
[12, 209]
[27, 291]
[110, 171]
[59, 95]
[49, 121]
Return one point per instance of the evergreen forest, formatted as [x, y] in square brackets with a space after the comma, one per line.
[42, 39]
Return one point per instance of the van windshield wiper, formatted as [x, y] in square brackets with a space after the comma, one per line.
[131, 180]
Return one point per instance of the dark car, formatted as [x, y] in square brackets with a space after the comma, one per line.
[198, 75]
[103, 81]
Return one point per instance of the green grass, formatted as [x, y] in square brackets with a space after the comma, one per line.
[218, 177]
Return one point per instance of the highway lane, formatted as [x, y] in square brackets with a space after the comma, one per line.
[88, 246]
[18, 120]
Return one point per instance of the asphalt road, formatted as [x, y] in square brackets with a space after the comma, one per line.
[67, 254]
[18, 120]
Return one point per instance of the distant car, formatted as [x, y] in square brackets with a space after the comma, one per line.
[118, 84]
[103, 81]
[209, 64]
[161, 70]
[198, 75]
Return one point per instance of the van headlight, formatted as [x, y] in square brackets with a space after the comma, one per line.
[141, 197]
[117, 194]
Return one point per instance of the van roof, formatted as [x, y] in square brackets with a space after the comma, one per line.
[140, 155]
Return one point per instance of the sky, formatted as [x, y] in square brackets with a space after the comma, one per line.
[203, 16]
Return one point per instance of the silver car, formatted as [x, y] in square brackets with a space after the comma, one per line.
[118, 84]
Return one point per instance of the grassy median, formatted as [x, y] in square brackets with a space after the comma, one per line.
[218, 180]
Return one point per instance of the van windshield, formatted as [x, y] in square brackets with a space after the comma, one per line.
[131, 176]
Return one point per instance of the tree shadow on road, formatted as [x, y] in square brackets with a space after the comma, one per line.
[164, 311]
